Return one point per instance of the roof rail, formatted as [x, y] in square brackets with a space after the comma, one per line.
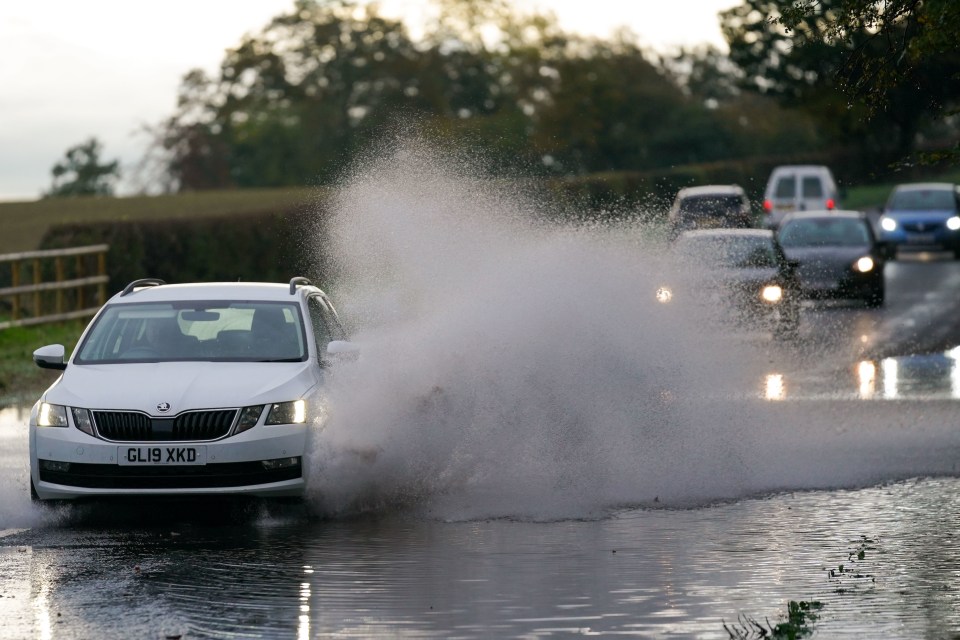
[143, 282]
[295, 281]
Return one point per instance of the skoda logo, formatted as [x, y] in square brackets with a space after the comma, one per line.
[163, 407]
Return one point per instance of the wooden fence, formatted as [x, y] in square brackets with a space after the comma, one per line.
[52, 285]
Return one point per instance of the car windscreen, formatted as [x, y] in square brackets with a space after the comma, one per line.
[710, 205]
[923, 200]
[824, 232]
[738, 252]
[221, 330]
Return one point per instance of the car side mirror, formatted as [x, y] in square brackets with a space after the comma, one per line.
[342, 350]
[50, 357]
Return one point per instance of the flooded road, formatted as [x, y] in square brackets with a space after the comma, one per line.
[828, 474]
[654, 573]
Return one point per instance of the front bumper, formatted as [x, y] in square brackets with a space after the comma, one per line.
[66, 463]
[848, 286]
[934, 236]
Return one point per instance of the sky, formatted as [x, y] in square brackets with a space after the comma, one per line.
[73, 70]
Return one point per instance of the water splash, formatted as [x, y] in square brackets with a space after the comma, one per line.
[510, 367]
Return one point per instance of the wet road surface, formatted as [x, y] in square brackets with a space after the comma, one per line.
[840, 448]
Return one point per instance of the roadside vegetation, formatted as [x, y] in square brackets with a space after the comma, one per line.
[848, 577]
[19, 376]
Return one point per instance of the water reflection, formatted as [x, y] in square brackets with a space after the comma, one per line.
[934, 376]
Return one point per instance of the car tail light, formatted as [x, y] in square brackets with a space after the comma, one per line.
[830, 203]
[767, 206]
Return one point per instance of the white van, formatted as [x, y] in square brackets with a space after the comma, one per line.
[798, 188]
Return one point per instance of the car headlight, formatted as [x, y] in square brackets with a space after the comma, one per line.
[888, 224]
[953, 223]
[772, 293]
[864, 264]
[52, 415]
[287, 413]
[664, 295]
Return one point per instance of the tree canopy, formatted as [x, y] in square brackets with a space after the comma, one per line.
[880, 75]
[81, 172]
[293, 103]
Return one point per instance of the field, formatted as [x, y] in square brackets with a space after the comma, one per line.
[24, 223]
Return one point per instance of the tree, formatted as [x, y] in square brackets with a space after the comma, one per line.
[292, 104]
[80, 173]
[875, 74]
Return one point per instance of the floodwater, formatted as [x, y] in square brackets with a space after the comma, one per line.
[528, 447]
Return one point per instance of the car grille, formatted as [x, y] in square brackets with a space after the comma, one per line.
[921, 227]
[133, 426]
[112, 476]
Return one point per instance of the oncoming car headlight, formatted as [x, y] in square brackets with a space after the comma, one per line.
[772, 293]
[287, 413]
[52, 415]
[888, 224]
[664, 295]
[953, 223]
[864, 264]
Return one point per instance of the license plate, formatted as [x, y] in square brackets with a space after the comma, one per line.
[161, 455]
[920, 238]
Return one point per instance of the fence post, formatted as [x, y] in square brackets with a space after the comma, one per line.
[37, 279]
[15, 281]
[59, 269]
[102, 271]
[80, 296]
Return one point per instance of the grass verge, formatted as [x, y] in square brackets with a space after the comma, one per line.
[19, 376]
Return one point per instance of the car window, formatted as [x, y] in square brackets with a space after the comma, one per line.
[923, 199]
[323, 320]
[728, 251]
[711, 205]
[823, 232]
[786, 187]
[811, 187]
[233, 331]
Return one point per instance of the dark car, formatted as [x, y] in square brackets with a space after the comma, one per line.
[836, 255]
[740, 274]
[709, 207]
[923, 216]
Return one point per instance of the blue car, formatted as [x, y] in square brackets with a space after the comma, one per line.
[922, 217]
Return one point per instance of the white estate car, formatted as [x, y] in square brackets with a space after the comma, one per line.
[187, 389]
